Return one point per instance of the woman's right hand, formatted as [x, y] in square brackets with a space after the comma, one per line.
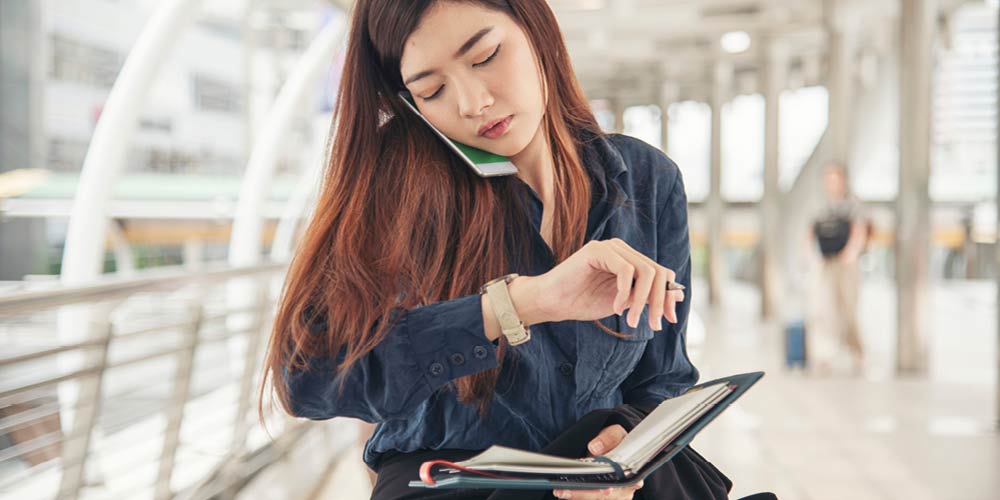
[596, 282]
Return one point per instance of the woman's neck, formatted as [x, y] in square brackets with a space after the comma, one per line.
[536, 167]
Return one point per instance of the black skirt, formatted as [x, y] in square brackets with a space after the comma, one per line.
[687, 476]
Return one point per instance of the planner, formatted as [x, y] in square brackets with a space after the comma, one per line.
[650, 444]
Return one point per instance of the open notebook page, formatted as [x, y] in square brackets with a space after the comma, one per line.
[670, 418]
[653, 446]
[664, 423]
[502, 458]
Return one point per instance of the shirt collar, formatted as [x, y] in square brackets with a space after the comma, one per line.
[606, 165]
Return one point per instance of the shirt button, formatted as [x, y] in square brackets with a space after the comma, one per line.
[436, 369]
[479, 352]
[566, 369]
[457, 359]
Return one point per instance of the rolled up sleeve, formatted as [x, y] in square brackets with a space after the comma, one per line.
[427, 347]
[664, 370]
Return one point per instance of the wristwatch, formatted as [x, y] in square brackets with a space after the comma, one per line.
[510, 323]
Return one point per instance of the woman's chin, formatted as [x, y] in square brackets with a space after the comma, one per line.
[509, 148]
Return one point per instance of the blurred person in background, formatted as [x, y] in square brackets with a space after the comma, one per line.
[839, 236]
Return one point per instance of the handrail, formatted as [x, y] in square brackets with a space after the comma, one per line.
[110, 288]
[207, 370]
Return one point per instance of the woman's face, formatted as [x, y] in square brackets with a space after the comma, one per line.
[468, 67]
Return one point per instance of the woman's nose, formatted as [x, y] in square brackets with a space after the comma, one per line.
[473, 99]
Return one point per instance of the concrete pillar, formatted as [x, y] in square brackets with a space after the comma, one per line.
[194, 254]
[774, 73]
[668, 95]
[618, 108]
[22, 74]
[722, 79]
[917, 30]
[124, 257]
[996, 245]
[22, 135]
[840, 75]
[249, 67]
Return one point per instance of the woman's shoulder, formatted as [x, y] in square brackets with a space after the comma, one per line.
[646, 164]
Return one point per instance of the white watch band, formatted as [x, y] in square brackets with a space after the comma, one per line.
[510, 323]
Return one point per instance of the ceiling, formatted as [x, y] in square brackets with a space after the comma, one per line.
[631, 49]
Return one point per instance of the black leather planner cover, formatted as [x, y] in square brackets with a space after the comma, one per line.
[449, 480]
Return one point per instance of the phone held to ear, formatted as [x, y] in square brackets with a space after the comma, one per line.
[483, 163]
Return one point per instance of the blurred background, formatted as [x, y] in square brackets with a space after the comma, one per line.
[158, 159]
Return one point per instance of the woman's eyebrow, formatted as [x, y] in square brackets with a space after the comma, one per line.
[467, 46]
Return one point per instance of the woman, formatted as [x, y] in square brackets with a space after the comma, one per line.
[382, 317]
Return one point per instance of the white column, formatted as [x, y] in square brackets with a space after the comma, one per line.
[618, 108]
[996, 245]
[774, 72]
[245, 238]
[668, 95]
[917, 27]
[194, 254]
[244, 242]
[722, 79]
[840, 75]
[297, 209]
[124, 258]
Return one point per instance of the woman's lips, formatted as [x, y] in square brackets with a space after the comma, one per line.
[499, 129]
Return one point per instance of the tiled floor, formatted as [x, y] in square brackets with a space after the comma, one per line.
[870, 437]
[877, 436]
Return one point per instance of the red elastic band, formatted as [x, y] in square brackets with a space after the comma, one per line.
[425, 471]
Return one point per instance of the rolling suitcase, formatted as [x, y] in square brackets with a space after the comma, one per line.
[795, 344]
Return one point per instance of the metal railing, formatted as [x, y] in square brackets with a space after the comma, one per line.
[144, 388]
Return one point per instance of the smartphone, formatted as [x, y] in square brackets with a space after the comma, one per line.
[483, 163]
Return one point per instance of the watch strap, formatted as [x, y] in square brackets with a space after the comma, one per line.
[510, 323]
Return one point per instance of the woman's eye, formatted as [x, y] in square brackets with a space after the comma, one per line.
[488, 59]
[435, 94]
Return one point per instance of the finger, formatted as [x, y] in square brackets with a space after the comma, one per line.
[614, 263]
[658, 296]
[670, 307]
[654, 301]
[671, 276]
[623, 493]
[643, 283]
[607, 439]
[581, 494]
[601, 494]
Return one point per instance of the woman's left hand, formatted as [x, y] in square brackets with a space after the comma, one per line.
[606, 441]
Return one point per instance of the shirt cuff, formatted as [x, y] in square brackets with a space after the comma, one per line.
[448, 339]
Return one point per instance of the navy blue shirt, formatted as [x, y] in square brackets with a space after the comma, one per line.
[567, 369]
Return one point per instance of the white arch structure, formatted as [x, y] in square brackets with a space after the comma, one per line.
[83, 254]
[244, 242]
[245, 237]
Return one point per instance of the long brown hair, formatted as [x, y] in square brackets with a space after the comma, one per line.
[399, 221]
